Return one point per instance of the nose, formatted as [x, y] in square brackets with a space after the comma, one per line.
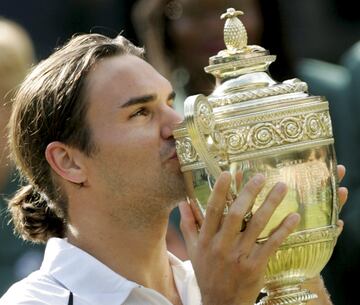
[170, 119]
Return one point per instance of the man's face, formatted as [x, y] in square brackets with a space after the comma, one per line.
[134, 169]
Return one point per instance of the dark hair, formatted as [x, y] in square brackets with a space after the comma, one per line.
[50, 106]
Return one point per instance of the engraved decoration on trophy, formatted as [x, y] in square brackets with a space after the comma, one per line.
[255, 124]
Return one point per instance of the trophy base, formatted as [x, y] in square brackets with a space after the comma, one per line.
[302, 256]
[287, 295]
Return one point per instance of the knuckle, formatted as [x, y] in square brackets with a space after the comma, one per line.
[241, 256]
[250, 268]
[281, 234]
[203, 243]
[218, 251]
[213, 210]
[288, 228]
[272, 245]
[235, 215]
[271, 203]
[274, 199]
[257, 222]
[254, 185]
[276, 242]
[252, 189]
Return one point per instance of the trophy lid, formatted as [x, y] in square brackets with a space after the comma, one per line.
[238, 58]
[249, 115]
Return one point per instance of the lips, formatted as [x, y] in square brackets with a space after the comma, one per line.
[168, 151]
[173, 155]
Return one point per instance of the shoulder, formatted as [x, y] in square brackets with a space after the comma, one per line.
[36, 289]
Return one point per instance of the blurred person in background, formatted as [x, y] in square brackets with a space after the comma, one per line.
[17, 259]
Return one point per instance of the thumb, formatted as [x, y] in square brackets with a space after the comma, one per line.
[189, 227]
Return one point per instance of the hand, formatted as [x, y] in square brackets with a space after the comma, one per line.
[316, 284]
[343, 191]
[229, 264]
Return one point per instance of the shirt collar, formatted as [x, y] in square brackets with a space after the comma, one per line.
[87, 277]
[84, 275]
[185, 280]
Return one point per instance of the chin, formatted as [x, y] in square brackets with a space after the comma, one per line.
[172, 167]
[174, 187]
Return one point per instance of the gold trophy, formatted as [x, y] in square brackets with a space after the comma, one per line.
[257, 125]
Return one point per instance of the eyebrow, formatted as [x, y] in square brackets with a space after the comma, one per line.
[145, 99]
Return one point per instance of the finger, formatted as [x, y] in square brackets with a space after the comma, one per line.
[341, 171]
[216, 205]
[343, 196]
[262, 216]
[197, 211]
[242, 204]
[277, 237]
[340, 225]
[188, 227]
[238, 179]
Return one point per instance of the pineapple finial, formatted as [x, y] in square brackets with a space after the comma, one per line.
[235, 35]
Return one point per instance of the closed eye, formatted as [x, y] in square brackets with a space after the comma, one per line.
[142, 111]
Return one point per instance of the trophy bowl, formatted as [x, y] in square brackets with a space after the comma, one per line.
[254, 124]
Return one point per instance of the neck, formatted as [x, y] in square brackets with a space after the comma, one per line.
[140, 255]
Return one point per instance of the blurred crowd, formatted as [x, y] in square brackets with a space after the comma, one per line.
[314, 40]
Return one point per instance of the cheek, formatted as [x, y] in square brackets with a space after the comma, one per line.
[129, 149]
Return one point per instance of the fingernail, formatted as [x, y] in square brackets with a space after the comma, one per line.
[293, 219]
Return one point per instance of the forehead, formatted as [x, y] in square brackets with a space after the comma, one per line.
[121, 77]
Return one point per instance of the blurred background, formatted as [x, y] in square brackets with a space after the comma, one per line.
[315, 40]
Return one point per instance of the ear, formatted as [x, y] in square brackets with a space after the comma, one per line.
[66, 162]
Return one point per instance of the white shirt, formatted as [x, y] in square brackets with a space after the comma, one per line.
[66, 269]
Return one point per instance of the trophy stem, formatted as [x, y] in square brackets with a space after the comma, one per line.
[286, 295]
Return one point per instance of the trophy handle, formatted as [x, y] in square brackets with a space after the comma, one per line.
[200, 123]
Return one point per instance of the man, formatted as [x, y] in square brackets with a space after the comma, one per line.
[91, 129]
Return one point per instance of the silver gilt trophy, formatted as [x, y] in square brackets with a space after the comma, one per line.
[257, 125]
